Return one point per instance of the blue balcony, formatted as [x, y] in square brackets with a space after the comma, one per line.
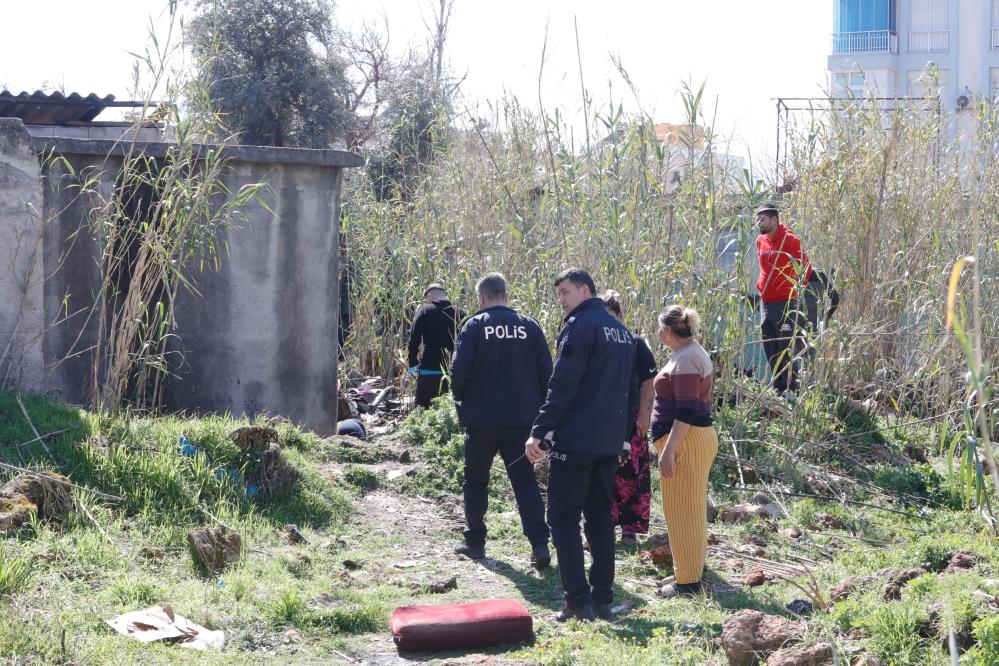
[864, 26]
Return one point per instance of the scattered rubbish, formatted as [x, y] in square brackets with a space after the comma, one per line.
[187, 449]
[406, 564]
[622, 607]
[800, 607]
[161, 624]
[214, 548]
[223, 472]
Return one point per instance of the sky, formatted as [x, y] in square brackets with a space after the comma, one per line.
[748, 53]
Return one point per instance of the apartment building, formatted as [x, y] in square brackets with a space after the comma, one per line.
[887, 47]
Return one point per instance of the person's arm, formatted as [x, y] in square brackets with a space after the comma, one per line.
[415, 338]
[464, 358]
[644, 420]
[570, 366]
[804, 265]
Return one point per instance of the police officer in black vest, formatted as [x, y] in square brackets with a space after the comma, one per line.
[592, 397]
[499, 377]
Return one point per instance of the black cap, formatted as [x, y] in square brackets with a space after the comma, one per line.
[769, 208]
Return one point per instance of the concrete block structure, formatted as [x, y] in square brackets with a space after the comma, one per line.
[261, 335]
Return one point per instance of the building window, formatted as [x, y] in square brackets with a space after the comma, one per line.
[864, 26]
[921, 83]
[994, 82]
[995, 24]
[929, 29]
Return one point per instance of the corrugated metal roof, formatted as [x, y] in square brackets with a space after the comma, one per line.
[55, 108]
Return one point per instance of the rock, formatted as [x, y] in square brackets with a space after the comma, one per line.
[758, 552]
[15, 510]
[792, 533]
[353, 565]
[761, 498]
[847, 587]
[440, 587]
[741, 513]
[754, 540]
[47, 491]
[713, 539]
[899, 579]
[750, 635]
[766, 526]
[774, 510]
[733, 564]
[405, 457]
[253, 437]
[915, 453]
[865, 660]
[660, 556]
[825, 521]
[819, 654]
[292, 535]
[963, 560]
[273, 475]
[754, 578]
[214, 548]
[151, 553]
[712, 511]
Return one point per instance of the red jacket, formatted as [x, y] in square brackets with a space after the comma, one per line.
[781, 259]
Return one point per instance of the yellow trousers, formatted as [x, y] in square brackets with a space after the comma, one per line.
[685, 501]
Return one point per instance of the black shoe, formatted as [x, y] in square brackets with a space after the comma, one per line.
[540, 557]
[582, 613]
[671, 590]
[604, 611]
[471, 552]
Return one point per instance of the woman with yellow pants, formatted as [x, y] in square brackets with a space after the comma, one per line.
[687, 443]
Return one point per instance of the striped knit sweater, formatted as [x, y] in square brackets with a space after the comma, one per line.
[683, 390]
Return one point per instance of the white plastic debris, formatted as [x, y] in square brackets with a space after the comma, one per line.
[160, 623]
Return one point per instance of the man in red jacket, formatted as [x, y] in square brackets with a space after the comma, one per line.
[783, 268]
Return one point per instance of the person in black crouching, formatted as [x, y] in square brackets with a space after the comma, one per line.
[434, 327]
[591, 405]
[499, 377]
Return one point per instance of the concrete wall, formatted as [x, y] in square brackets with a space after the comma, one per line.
[21, 321]
[261, 336]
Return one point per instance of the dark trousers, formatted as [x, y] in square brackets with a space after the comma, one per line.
[481, 446]
[583, 484]
[783, 329]
[429, 387]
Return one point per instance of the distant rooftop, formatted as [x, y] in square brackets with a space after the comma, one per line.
[40, 108]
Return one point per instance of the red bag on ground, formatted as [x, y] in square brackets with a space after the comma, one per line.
[460, 626]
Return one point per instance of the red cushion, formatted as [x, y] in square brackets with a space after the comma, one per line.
[461, 626]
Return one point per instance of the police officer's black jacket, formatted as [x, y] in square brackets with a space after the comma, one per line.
[500, 369]
[435, 325]
[593, 392]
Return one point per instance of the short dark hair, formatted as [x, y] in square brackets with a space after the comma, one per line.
[612, 301]
[578, 277]
[491, 287]
[436, 286]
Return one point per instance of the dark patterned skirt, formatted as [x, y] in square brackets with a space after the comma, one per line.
[633, 489]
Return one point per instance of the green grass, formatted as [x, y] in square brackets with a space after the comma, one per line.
[63, 580]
